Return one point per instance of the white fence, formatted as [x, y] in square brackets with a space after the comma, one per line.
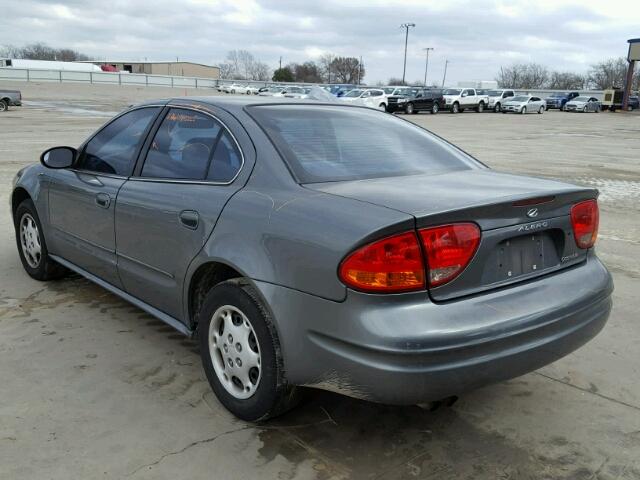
[104, 78]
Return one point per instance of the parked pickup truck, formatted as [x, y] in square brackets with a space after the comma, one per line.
[559, 100]
[460, 99]
[9, 98]
[498, 97]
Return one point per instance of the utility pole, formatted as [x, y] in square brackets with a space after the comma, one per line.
[426, 65]
[280, 68]
[406, 26]
[446, 62]
[360, 71]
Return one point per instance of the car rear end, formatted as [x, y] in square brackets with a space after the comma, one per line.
[494, 275]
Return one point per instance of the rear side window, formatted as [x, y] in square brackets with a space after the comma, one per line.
[191, 145]
[333, 143]
[112, 150]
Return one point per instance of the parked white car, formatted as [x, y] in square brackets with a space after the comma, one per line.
[584, 104]
[524, 104]
[370, 97]
[291, 92]
[460, 99]
[498, 97]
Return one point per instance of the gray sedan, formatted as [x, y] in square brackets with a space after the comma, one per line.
[583, 104]
[319, 245]
[524, 104]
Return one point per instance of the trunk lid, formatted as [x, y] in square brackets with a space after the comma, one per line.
[525, 222]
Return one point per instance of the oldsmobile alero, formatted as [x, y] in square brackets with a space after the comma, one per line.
[319, 245]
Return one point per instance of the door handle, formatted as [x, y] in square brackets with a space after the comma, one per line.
[189, 219]
[103, 200]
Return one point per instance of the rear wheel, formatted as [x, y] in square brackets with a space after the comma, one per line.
[241, 353]
[435, 108]
[4, 106]
[32, 246]
[382, 107]
[480, 107]
[541, 110]
[497, 108]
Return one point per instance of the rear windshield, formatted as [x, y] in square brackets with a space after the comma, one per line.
[334, 143]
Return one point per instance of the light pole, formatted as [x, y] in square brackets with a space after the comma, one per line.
[406, 26]
[426, 65]
[444, 77]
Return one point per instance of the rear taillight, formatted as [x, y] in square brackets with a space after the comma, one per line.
[396, 264]
[448, 250]
[585, 218]
[393, 264]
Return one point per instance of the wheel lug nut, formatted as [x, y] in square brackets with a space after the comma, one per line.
[230, 338]
[226, 349]
[238, 347]
[231, 363]
[238, 362]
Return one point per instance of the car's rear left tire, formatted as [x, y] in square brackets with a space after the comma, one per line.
[241, 353]
[4, 106]
[480, 107]
[32, 247]
[435, 108]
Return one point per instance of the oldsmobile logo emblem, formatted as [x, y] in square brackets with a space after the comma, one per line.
[532, 212]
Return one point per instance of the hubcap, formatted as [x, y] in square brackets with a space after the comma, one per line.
[30, 241]
[235, 352]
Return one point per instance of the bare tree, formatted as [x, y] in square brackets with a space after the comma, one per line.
[523, 75]
[40, 51]
[324, 65]
[242, 65]
[566, 81]
[608, 73]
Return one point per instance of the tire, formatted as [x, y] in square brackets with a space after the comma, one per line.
[408, 109]
[435, 108]
[562, 108]
[4, 106]
[540, 110]
[523, 111]
[29, 240]
[248, 92]
[382, 107]
[503, 111]
[480, 107]
[233, 91]
[497, 108]
[584, 109]
[263, 392]
[455, 108]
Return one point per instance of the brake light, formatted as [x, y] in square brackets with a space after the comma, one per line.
[448, 250]
[585, 218]
[393, 264]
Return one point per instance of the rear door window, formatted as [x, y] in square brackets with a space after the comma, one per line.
[191, 145]
[333, 143]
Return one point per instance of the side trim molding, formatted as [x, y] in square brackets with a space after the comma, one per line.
[169, 320]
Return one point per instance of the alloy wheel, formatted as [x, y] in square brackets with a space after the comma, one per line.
[30, 241]
[235, 352]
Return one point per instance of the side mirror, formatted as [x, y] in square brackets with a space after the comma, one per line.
[59, 157]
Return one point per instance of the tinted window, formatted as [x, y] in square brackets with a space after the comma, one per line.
[226, 160]
[327, 143]
[113, 149]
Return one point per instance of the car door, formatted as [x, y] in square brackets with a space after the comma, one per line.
[166, 211]
[470, 99]
[82, 199]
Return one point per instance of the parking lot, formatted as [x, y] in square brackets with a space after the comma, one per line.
[93, 387]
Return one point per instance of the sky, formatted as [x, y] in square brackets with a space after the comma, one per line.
[476, 36]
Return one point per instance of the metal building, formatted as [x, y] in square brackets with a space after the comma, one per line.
[179, 69]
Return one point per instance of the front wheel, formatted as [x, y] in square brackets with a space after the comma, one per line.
[524, 110]
[32, 247]
[584, 109]
[455, 108]
[435, 108]
[409, 109]
[241, 353]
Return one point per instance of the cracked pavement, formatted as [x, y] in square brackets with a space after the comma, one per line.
[92, 387]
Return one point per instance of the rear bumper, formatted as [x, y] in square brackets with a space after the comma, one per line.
[404, 349]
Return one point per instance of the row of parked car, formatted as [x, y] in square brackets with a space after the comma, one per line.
[411, 100]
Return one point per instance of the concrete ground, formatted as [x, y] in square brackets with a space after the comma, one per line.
[92, 387]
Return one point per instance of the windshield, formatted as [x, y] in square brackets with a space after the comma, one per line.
[581, 99]
[389, 90]
[452, 91]
[494, 93]
[520, 98]
[353, 93]
[333, 143]
[406, 91]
